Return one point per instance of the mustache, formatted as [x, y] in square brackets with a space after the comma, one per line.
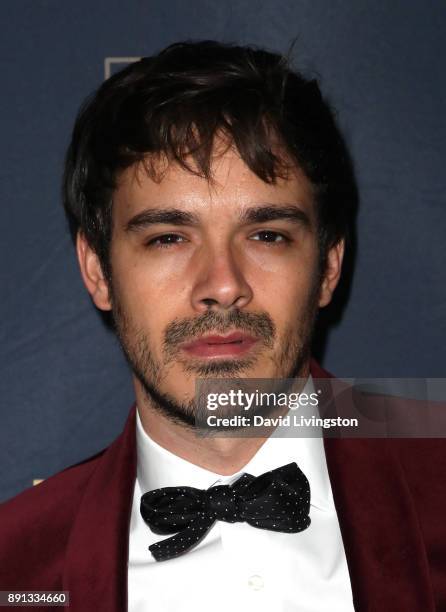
[258, 324]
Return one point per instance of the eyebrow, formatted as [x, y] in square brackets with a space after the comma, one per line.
[171, 216]
[252, 214]
[269, 212]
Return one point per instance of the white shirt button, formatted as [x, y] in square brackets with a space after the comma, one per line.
[255, 582]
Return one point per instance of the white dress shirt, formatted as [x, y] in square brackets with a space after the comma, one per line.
[236, 566]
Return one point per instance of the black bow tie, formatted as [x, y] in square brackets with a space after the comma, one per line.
[278, 500]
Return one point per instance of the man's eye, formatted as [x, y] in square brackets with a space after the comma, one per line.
[165, 241]
[270, 237]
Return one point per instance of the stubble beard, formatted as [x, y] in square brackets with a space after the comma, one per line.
[289, 363]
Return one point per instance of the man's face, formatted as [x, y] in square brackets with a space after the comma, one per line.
[213, 279]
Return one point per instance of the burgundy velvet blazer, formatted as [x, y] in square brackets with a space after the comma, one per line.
[71, 531]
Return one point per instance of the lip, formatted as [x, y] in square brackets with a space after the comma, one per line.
[236, 343]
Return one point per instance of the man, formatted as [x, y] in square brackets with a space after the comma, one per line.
[210, 194]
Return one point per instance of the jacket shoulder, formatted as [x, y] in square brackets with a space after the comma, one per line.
[38, 521]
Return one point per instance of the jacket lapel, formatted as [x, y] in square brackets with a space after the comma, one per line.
[382, 539]
[96, 561]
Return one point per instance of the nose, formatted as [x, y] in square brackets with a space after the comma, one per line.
[220, 283]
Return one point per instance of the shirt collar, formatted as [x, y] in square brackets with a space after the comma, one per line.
[157, 467]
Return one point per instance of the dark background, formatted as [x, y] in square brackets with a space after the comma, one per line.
[64, 388]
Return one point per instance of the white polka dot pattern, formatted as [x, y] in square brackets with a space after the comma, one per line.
[278, 500]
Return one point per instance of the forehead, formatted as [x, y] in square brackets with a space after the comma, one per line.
[232, 188]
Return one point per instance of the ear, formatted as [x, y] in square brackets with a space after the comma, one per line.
[92, 274]
[332, 273]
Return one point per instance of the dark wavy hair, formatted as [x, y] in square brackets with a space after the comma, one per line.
[176, 102]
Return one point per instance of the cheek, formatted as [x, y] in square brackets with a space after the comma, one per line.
[160, 276]
[286, 289]
[150, 296]
[291, 301]
[284, 276]
[268, 261]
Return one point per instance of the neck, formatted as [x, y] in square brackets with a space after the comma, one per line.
[221, 455]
